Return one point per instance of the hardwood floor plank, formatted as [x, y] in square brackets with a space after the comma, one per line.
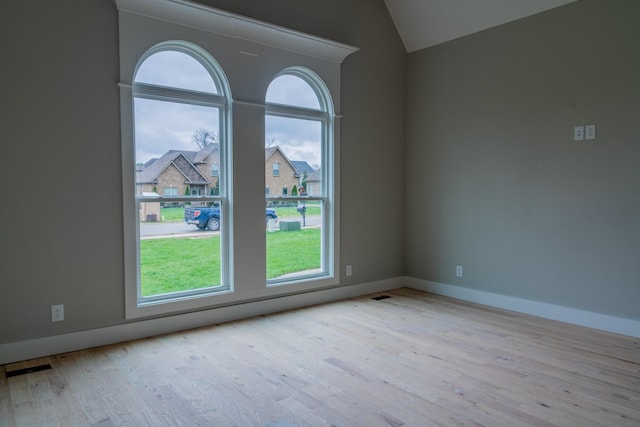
[414, 359]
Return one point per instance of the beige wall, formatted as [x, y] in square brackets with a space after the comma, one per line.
[496, 183]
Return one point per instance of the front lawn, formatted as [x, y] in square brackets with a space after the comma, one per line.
[172, 214]
[186, 263]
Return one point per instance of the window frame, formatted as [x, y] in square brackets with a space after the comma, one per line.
[326, 117]
[137, 305]
[234, 39]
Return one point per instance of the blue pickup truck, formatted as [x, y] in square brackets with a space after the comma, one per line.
[208, 217]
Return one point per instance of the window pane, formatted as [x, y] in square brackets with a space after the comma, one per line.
[176, 256]
[177, 70]
[294, 247]
[163, 126]
[176, 149]
[297, 139]
[292, 90]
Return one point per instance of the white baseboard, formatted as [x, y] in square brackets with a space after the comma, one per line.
[604, 322]
[47, 346]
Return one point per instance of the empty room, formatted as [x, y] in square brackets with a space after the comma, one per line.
[320, 213]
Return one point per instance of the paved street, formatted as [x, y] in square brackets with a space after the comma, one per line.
[179, 228]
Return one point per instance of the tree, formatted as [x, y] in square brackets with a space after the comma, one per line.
[294, 190]
[204, 137]
[187, 191]
[215, 190]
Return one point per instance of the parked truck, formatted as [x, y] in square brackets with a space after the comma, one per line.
[208, 217]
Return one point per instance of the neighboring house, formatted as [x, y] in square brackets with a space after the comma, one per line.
[178, 172]
[279, 173]
[314, 183]
[302, 167]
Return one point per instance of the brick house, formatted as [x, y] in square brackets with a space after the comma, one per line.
[178, 172]
[280, 175]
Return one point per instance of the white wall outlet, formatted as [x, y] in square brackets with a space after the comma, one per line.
[578, 133]
[590, 132]
[349, 270]
[458, 271]
[57, 312]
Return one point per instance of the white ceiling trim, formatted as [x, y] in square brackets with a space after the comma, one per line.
[426, 23]
[236, 26]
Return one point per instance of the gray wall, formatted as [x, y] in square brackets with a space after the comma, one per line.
[61, 224]
[495, 182]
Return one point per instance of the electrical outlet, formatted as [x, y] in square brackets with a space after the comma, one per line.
[57, 312]
[458, 271]
[578, 133]
[349, 270]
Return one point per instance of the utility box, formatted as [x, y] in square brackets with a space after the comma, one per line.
[271, 225]
[289, 225]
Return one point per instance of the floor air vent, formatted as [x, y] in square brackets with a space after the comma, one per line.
[28, 370]
[378, 298]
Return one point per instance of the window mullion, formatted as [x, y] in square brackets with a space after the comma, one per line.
[161, 93]
[295, 112]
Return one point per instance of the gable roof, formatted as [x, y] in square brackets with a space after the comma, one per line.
[202, 155]
[185, 161]
[270, 151]
[302, 167]
[180, 159]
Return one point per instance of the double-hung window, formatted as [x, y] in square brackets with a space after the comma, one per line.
[179, 94]
[299, 131]
[177, 163]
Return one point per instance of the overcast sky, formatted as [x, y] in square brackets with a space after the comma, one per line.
[162, 126]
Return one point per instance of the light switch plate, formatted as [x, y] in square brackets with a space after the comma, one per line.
[590, 132]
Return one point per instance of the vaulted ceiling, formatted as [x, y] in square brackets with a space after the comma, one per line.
[425, 23]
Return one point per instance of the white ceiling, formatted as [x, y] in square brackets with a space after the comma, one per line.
[425, 23]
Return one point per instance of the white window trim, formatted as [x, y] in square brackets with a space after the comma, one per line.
[326, 116]
[181, 16]
[135, 304]
[225, 23]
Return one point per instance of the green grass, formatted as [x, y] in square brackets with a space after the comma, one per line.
[169, 265]
[291, 251]
[292, 211]
[180, 264]
[172, 214]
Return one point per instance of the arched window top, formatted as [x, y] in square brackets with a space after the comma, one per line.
[180, 65]
[288, 89]
[299, 87]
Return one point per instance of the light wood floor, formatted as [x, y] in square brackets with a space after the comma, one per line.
[415, 359]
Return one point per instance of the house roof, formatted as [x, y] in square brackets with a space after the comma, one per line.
[201, 156]
[186, 161]
[269, 151]
[182, 160]
[302, 167]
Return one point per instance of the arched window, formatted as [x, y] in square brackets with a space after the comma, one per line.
[181, 104]
[299, 131]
